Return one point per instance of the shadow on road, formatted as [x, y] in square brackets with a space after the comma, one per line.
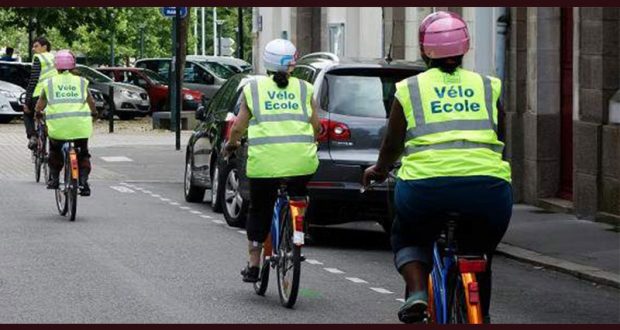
[349, 238]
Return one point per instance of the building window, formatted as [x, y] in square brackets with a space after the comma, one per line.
[336, 38]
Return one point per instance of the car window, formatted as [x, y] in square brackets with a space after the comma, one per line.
[195, 74]
[155, 77]
[303, 73]
[362, 92]
[218, 69]
[160, 67]
[135, 78]
[93, 75]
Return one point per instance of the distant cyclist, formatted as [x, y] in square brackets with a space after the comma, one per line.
[445, 122]
[68, 109]
[283, 126]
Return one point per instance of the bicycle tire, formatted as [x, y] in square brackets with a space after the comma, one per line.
[72, 201]
[457, 305]
[260, 287]
[61, 194]
[38, 160]
[288, 253]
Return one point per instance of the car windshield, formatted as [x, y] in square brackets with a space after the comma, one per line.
[218, 69]
[155, 77]
[93, 75]
[362, 92]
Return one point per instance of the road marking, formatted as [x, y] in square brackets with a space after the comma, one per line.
[334, 270]
[195, 212]
[242, 232]
[381, 290]
[147, 191]
[219, 222]
[122, 189]
[185, 207]
[112, 159]
[156, 196]
[355, 280]
[205, 216]
[313, 262]
[174, 203]
[164, 199]
[401, 300]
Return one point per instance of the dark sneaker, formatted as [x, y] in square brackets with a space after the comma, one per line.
[250, 274]
[413, 311]
[53, 183]
[85, 190]
[32, 143]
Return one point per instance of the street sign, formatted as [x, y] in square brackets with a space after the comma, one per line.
[227, 46]
[170, 12]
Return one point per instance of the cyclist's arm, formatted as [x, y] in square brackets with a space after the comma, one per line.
[41, 103]
[35, 72]
[394, 139]
[314, 119]
[91, 105]
[241, 122]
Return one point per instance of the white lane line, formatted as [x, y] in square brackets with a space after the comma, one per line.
[195, 212]
[205, 216]
[334, 270]
[185, 207]
[355, 280]
[219, 222]
[122, 189]
[381, 290]
[112, 159]
[147, 191]
[242, 232]
[313, 262]
[164, 199]
[156, 196]
[401, 300]
[174, 203]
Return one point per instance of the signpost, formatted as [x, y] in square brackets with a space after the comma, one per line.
[227, 46]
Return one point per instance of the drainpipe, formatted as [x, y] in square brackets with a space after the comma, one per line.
[500, 45]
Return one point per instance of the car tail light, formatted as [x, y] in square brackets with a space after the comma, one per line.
[333, 130]
[472, 265]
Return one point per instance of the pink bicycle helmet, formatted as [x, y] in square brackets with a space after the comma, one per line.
[443, 34]
[64, 60]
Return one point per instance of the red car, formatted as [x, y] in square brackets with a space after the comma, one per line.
[155, 84]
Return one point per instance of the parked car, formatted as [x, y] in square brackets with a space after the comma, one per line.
[17, 73]
[129, 101]
[196, 76]
[7, 113]
[234, 64]
[155, 84]
[12, 93]
[354, 97]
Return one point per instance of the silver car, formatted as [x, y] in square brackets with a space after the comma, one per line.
[11, 93]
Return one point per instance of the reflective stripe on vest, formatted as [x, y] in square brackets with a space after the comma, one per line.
[422, 128]
[52, 100]
[459, 144]
[59, 115]
[46, 65]
[258, 118]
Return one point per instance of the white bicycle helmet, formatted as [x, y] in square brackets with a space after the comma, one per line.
[279, 54]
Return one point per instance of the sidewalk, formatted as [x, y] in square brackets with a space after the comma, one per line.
[586, 249]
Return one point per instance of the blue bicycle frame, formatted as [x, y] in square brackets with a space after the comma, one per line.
[276, 221]
[441, 269]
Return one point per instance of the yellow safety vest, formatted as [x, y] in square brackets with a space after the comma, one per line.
[48, 70]
[451, 126]
[281, 139]
[67, 114]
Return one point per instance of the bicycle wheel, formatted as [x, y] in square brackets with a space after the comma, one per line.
[38, 162]
[260, 287]
[72, 190]
[61, 193]
[460, 310]
[289, 262]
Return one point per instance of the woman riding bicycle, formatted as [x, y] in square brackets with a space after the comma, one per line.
[68, 109]
[283, 126]
[444, 123]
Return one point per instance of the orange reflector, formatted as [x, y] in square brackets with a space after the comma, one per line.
[472, 265]
[474, 294]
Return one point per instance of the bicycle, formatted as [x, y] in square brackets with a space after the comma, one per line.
[66, 193]
[453, 292]
[282, 248]
[40, 152]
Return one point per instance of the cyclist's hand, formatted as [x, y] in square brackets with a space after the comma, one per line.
[229, 148]
[38, 114]
[374, 173]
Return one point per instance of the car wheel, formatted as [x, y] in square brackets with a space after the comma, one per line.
[234, 206]
[217, 189]
[193, 194]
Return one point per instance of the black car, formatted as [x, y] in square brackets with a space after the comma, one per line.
[354, 97]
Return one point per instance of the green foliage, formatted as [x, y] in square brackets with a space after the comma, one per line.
[88, 31]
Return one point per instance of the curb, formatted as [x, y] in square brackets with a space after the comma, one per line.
[580, 271]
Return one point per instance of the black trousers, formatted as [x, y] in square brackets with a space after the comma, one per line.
[29, 118]
[56, 161]
[263, 195]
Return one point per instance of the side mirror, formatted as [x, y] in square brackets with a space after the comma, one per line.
[201, 113]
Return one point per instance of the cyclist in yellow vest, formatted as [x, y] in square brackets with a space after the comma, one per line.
[68, 109]
[444, 124]
[42, 68]
[283, 126]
